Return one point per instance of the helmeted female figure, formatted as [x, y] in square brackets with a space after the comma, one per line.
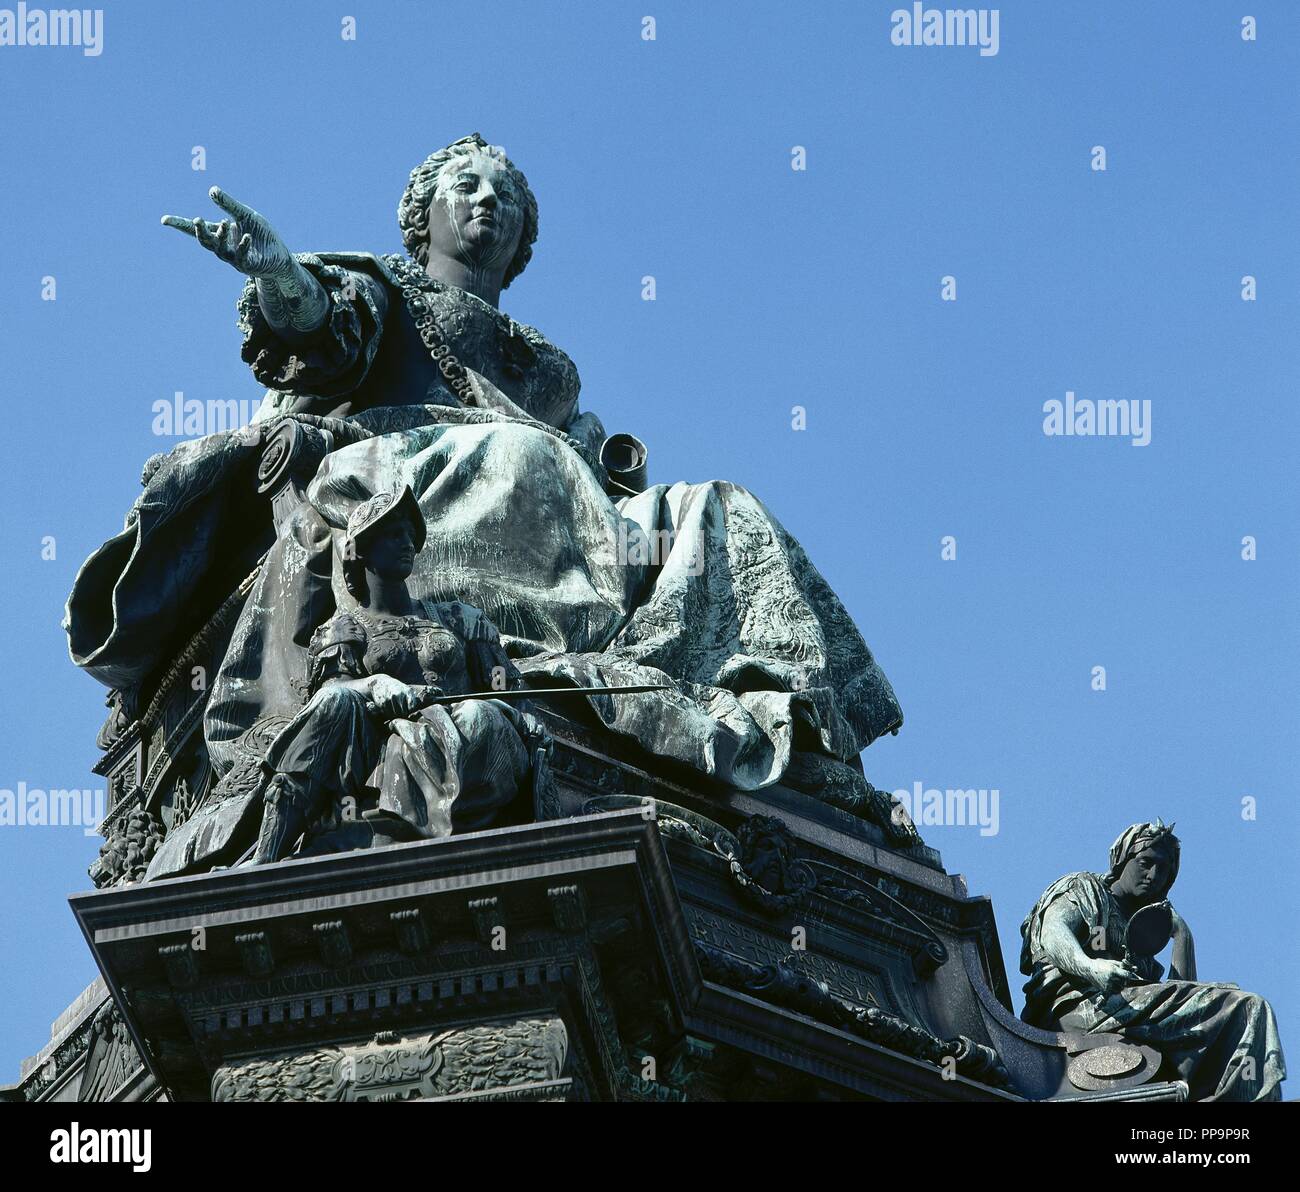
[368, 745]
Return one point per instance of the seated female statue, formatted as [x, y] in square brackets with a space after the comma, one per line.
[1083, 978]
[409, 374]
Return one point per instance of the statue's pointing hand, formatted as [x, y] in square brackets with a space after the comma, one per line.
[246, 240]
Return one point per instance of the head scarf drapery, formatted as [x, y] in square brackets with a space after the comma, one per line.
[1134, 839]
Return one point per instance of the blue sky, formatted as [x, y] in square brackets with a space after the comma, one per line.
[775, 288]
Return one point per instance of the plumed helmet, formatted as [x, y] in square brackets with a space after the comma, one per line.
[370, 513]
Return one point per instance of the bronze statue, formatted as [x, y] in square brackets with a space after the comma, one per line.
[401, 371]
[369, 745]
[323, 330]
[1089, 974]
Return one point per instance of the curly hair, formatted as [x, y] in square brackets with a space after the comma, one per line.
[413, 210]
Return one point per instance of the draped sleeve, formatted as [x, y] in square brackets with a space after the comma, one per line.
[337, 360]
[1049, 992]
[1084, 892]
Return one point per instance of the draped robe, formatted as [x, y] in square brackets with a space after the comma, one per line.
[766, 667]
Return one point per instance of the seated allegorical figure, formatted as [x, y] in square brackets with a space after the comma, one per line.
[1085, 979]
[367, 734]
[407, 373]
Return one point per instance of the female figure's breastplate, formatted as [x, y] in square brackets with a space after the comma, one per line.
[414, 650]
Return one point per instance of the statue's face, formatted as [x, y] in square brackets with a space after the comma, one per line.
[1147, 876]
[477, 213]
[390, 549]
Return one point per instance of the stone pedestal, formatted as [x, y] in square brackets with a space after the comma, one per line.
[466, 967]
[645, 939]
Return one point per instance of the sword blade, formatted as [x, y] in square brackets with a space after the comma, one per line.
[529, 692]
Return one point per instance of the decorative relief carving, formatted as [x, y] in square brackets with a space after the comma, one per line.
[783, 985]
[111, 1058]
[125, 855]
[758, 947]
[468, 1060]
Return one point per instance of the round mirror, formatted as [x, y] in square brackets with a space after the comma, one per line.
[1149, 929]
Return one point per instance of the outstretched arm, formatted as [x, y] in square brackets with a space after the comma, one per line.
[293, 302]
